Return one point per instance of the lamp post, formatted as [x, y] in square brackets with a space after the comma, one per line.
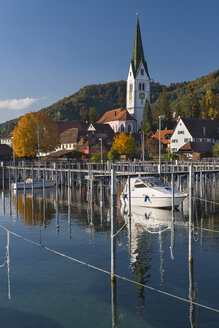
[142, 145]
[159, 166]
[101, 150]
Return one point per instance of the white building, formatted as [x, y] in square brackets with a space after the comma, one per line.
[138, 81]
[196, 130]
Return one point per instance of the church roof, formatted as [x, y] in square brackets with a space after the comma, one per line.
[118, 114]
[138, 53]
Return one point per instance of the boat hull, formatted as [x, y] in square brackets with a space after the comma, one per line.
[29, 185]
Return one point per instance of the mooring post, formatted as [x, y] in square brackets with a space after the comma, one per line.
[113, 223]
[3, 177]
[9, 179]
[191, 182]
[173, 203]
[32, 180]
[129, 197]
[24, 176]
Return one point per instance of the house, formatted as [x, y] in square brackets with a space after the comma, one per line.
[68, 139]
[120, 120]
[195, 130]
[6, 152]
[6, 138]
[96, 133]
[197, 150]
[164, 135]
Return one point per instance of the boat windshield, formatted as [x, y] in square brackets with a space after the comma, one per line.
[153, 183]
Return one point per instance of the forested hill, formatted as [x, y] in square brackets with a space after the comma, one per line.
[112, 95]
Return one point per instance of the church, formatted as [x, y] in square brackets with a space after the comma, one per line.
[137, 91]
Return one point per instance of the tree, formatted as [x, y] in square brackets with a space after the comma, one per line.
[163, 108]
[93, 115]
[113, 154]
[147, 118]
[190, 105]
[125, 144]
[25, 135]
[209, 105]
[215, 150]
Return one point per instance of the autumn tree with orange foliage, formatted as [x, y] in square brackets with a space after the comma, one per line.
[125, 144]
[25, 137]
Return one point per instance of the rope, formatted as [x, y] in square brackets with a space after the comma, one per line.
[119, 230]
[206, 200]
[109, 273]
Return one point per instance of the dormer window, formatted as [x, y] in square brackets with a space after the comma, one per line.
[142, 71]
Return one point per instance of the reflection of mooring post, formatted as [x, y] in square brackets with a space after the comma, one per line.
[113, 223]
[201, 188]
[32, 180]
[191, 181]
[113, 303]
[191, 296]
[8, 264]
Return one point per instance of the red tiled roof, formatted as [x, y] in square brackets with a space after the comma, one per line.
[118, 114]
[163, 134]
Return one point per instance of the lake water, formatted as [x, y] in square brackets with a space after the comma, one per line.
[39, 288]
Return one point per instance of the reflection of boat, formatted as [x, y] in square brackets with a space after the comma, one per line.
[36, 183]
[151, 192]
[153, 217]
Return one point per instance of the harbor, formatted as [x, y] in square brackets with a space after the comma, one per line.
[128, 267]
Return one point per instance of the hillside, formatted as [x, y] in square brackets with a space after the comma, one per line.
[112, 95]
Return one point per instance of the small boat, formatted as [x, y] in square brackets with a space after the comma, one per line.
[36, 183]
[151, 192]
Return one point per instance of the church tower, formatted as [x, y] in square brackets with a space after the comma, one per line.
[138, 82]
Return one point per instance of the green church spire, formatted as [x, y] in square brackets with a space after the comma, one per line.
[138, 53]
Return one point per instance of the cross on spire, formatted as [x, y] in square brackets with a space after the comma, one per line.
[137, 13]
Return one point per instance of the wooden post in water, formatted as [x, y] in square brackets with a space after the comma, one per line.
[9, 179]
[129, 197]
[173, 203]
[3, 177]
[113, 223]
[32, 181]
[191, 182]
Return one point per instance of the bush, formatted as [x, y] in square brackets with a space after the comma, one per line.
[113, 154]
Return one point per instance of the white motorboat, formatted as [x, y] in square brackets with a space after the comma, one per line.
[150, 192]
[36, 183]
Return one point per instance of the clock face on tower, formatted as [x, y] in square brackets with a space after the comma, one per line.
[141, 95]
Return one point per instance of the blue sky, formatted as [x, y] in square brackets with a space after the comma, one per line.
[51, 48]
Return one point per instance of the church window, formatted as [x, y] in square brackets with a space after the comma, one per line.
[122, 128]
[130, 74]
[142, 86]
[130, 87]
[139, 86]
[129, 128]
[142, 71]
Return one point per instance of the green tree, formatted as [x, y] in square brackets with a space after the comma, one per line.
[147, 118]
[209, 105]
[93, 115]
[215, 150]
[190, 106]
[113, 154]
[163, 108]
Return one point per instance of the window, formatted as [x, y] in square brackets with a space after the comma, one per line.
[174, 140]
[129, 128]
[122, 129]
[130, 87]
[187, 139]
[139, 85]
[173, 149]
[130, 74]
[142, 71]
[142, 86]
[180, 132]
